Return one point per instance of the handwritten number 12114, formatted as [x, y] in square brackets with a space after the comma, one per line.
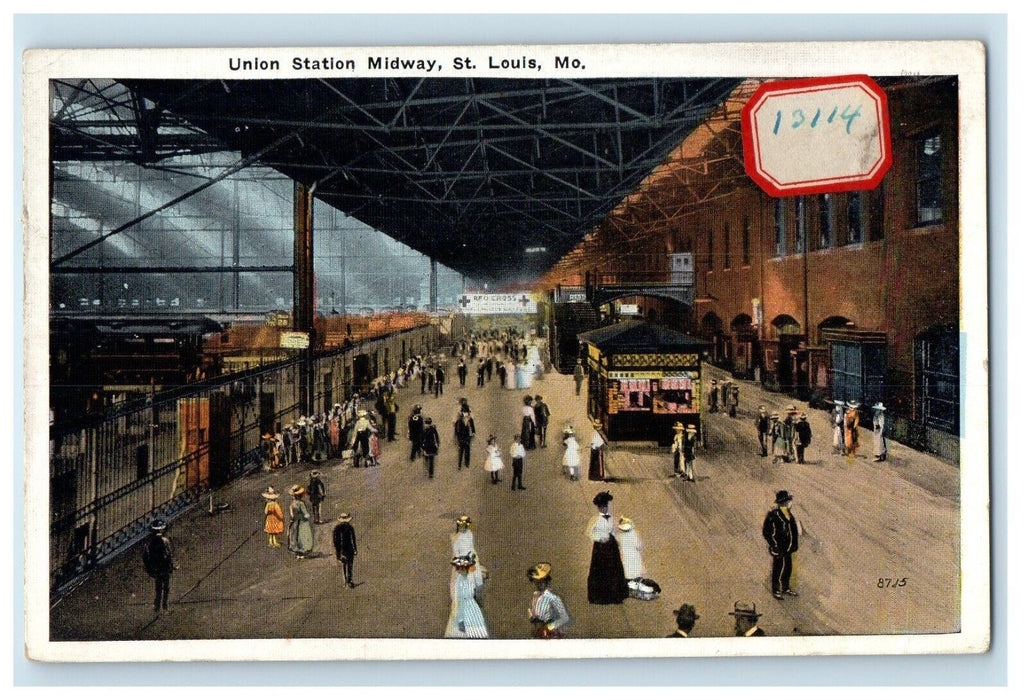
[799, 118]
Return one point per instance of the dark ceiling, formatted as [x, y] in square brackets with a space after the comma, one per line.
[494, 178]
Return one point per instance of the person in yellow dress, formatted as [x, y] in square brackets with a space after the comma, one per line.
[274, 521]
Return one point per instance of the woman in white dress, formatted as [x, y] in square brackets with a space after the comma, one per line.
[571, 460]
[878, 422]
[512, 376]
[631, 549]
[463, 545]
[466, 619]
[493, 460]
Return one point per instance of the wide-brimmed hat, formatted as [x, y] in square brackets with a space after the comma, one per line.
[678, 426]
[271, 494]
[540, 572]
[878, 406]
[297, 490]
[743, 610]
[464, 521]
[597, 422]
[625, 524]
[345, 517]
[569, 430]
[774, 414]
[791, 408]
[315, 473]
[686, 612]
[266, 436]
[602, 498]
[783, 497]
[853, 404]
[159, 525]
[839, 402]
[690, 428]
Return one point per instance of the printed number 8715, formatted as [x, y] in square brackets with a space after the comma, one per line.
[892, 582]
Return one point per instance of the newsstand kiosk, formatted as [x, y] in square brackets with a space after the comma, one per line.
[644, 378]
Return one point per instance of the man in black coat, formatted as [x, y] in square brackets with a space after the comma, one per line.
[345, 540]
[462, 371]
[440, 377]
[430, 446]
[158, 562]
[415, 431]
[803, 437]
[783, 538]
[746, 620]
[316, 490]
[542, 419]
[464, 430]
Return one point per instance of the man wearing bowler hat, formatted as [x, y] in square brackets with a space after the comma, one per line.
[685, 618]
[782, 534]
[746, 617]
[158, 562]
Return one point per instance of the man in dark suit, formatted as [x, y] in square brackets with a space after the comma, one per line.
[746, 621]
[685, 618]
[783, 538]
[464, 431]
[415, 431]
[158, 562]
[345, 540]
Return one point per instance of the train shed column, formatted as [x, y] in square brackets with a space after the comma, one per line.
[433, 286]
[303, 286]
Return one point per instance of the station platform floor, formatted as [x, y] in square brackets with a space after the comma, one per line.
[702, 541]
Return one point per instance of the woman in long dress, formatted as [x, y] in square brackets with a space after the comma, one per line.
[301, 533]
[528, 426]
[878, 422]
[511, 378]
[463, 545]
[607, 583]
[631, 549]
[852, 428]
[571, 460]
[493, 460]
[838, 419]
[466, 619]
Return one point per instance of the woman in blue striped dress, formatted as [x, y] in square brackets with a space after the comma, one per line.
[466, 620]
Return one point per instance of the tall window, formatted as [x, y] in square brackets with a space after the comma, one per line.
[779, 250]
[746, 240]
[801, 225]
[854, 217]
[826, 221]
[728, 248]
[929, 179]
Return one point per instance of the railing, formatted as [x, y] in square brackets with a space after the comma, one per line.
[111, 475]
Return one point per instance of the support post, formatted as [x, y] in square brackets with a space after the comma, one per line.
[303, 286]
[433, 286]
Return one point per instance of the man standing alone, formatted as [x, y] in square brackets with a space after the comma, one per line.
[345, 540]
[579, 377]
[158, 563]
[782, 534]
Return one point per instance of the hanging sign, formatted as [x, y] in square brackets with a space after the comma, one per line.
[294, 340]
[488, 304]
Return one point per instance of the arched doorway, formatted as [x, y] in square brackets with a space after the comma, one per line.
[744, 348]
[783, 365]
[833, 322]
[713, 329]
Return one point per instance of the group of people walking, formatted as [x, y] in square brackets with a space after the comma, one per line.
[787, 436]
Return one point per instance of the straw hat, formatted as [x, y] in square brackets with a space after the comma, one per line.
[853, 404]
[159, 525]
[540, 572]
[271, 494]
[791, 408]
[464, 521]
[742, 610]
[678, 426]
[297, 490]
[345, 518]
[625, 524]
[878, 406]
[775, 415]
[690, 428]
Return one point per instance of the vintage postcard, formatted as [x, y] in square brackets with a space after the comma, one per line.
[506, 352]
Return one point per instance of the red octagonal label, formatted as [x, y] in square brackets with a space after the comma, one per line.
[817, 135]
